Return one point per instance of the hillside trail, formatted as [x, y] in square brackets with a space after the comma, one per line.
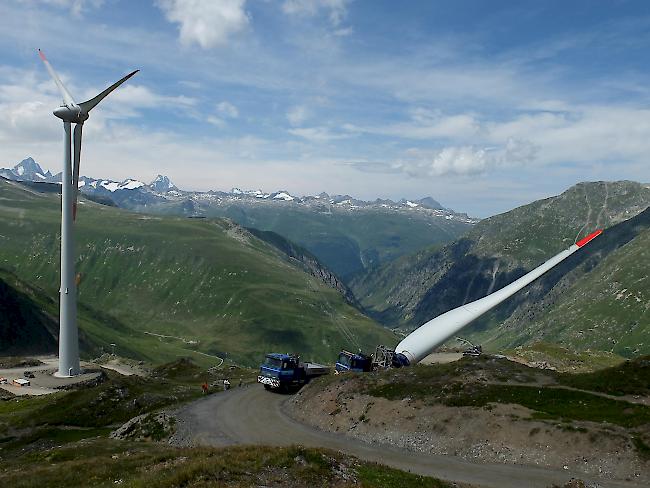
[253, 416]
[603, 210]
[589, 212]
[639, 400]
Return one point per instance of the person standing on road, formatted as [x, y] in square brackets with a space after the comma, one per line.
[226, 384]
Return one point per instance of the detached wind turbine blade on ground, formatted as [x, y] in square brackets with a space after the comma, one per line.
[423, 340]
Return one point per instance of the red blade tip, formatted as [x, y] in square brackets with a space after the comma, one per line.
[590, 237]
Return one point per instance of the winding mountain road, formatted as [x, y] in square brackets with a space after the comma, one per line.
[252, 415]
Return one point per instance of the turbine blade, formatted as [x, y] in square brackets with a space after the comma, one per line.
[88, 105]
[67, 98]
[75, 168]
[423, 340]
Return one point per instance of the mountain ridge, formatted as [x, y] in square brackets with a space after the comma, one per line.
[162, 188]
[413, 289]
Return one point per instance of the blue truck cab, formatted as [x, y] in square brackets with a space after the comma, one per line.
[286, 371]
[349, 361]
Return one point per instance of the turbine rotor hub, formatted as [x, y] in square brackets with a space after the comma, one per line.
[71, 114]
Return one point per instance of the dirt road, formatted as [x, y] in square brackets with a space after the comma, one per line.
[252, 415]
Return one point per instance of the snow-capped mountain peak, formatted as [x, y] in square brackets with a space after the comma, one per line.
[132, 193]
[130, 184]
[162, 184]
[28, 169]
[283, 195]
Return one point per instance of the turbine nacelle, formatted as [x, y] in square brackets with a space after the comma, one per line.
[76, 113]
[72, 114]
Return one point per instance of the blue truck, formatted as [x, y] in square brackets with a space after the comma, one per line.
[285, 372]
[349, 361]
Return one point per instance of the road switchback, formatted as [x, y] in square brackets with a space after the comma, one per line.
[253, 416]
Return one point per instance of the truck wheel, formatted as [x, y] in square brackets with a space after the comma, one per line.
[267, 387]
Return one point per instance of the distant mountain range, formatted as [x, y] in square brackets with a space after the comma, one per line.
[162, 190]
[346, 234]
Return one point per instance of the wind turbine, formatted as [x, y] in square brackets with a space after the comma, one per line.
[71, 112]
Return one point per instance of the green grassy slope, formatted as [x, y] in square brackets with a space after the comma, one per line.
[347, 242]
[25, 325]
[488, 380]
[62, 440]
[209, 283]
[607, 310]
[413, 289]
[102, 462]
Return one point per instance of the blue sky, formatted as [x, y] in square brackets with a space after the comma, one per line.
[484, 105]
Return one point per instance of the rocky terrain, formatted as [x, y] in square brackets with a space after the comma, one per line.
[489, 410]
[107, 434]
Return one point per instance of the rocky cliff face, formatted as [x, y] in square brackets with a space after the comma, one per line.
[307, 261]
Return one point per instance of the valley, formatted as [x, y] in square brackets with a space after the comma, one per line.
[347, 235]
[324, 244]
[205, 279]
[567, 305]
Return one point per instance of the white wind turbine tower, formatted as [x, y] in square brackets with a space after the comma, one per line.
[71, 112]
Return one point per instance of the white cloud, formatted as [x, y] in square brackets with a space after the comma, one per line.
[227, 110]
[427, 124]
[584, 135]
[139, 96]
[338, 9]
[297, 115]
[27, 102]
[343, 32]
[216, 121]
[317, 134]
[76, 7]
[449, 160]
[208, 23]
[453, 160]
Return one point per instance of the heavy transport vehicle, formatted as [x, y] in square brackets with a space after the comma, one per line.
[349, 361]
[285, 372]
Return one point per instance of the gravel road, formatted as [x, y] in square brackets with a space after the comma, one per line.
[252, 415]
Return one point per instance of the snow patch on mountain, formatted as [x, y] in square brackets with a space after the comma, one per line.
[283, 195]
[131, 185]
[132, 193]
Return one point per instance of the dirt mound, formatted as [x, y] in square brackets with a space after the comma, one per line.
[420, 409]
[150, 426]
